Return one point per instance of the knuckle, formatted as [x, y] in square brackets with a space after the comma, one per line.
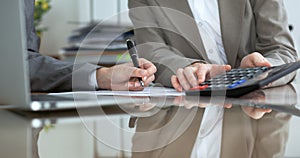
[187, 68]
[180, 70]
[153, 78]
[203, 67]
[154, 68]
[173, 78]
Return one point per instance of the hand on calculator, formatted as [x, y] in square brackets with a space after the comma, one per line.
[195, 74]
[208, 80]
[254, 60]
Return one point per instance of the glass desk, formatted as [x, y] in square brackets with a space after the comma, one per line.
[262, 124]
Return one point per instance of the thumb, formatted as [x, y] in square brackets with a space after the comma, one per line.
[263, 62]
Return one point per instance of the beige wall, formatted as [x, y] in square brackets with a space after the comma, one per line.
[62, 12]
[293, 14]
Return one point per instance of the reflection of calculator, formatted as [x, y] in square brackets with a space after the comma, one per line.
[238, 82]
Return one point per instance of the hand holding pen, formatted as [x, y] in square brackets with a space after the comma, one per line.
[134, 57]
[124, 76]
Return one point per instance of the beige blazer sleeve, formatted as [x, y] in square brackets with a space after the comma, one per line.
[152, 39]
[273, 37]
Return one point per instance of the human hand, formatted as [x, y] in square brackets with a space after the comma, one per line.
[254, 60]
[201, 102]
[124, 76]
[255, 113]
[195, 74]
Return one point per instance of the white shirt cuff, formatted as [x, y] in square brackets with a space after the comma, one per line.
[93, 79]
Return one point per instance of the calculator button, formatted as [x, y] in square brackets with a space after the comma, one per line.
[256, 71]
[226, 82]
[225, 79]
[205, 83]
[232, 86]
[250, 75]
[199, 87]
[217, 87]
[241, 81]
[264, 68]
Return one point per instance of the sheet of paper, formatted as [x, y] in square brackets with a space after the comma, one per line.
[148, 91]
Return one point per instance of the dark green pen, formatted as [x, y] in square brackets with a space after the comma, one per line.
[134, 57]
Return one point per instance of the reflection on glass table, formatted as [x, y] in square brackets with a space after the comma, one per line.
[171, 132]
[254, 125]
[165, 134]
[257, 103]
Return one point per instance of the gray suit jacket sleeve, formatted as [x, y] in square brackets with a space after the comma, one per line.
[48, 74]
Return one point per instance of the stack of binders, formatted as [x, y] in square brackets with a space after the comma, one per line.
[98, 44]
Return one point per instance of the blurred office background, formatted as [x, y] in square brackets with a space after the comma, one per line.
[75, 13]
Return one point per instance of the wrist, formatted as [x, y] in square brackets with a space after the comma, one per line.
[103, 79]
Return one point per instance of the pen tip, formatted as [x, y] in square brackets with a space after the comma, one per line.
[142, 83]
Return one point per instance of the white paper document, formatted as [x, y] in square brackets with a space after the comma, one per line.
[148, 91]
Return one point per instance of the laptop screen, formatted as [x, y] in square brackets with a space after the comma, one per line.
[14, 85]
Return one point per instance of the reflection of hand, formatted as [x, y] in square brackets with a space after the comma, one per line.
[124, 76]
[139, 104]
[195, 74]
[182, 101]
[145, 107]
[190, 102]
[255, 113]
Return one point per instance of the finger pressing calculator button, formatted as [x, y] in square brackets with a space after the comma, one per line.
[199, 87]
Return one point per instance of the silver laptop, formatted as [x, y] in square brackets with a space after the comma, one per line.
[14, 83]
[13, 69]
